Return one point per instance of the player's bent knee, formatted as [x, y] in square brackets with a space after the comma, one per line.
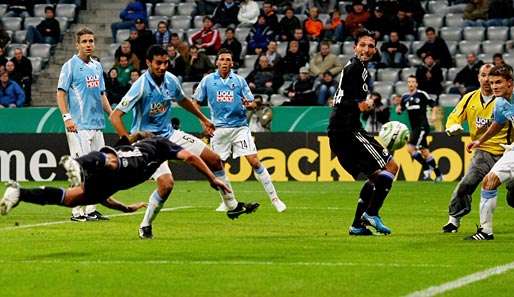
[392, 166]
[490, 181]
[165, 185]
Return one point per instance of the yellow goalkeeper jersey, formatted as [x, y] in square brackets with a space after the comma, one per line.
[479, 116]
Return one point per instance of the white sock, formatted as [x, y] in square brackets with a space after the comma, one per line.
[229, 198]
[263, 176]
[454, 220]
[77, 211]
[155, 204]
[487, 205]
[89, 209]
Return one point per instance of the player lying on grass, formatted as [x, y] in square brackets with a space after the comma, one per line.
[110, 170]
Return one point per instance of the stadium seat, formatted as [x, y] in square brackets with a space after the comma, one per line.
[3, 9]
[32, 21]
[486, 57]
[421, 33]
[154, 20]
[452, 73]
[406, 72]
[345, 58]
[433, 20]
[244, 71]
[387, 74]
[301, 17]
[180, 22]
[282, 48]
[383, 88]
[12, 23]
[40, 50]
[10, 33]
[509, 59]
[454, 20]
[249, 61]
[37, 64]
[66, 10]
[149, 7]
[492, 47]
[107, 62]
[473, 33]
[452, 46]
[372, 73]
[63, 23]
[436, 6]
[165, 9]
[186, 9]
[122, 34]
[20, 36]
[12, 46]
[415, 46]
[466, 47]
[113, 47]
[190, 32]
[39, 10]
[335, 48]
[323, 17]
[198, 23]
[448, 100]
[460, 60]
[400, 87]
[212, 58]
[497, 33]
[347, 48]
[277, 99]
[188, 88]
[414, 60]
[242, 33]
[172, 1]
[313, 47]
[451, 33]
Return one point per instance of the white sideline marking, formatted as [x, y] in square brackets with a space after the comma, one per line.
[70, 221]
[463, 281]
[300, 117]
[43, 120]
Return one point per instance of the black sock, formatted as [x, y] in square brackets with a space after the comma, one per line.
[383, 183]
[418, 157]
[364, 198]
[42, 195]
[431, 162]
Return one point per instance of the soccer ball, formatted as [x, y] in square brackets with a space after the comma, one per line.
[394, 135]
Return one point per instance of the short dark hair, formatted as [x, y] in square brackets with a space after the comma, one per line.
[47, 8]
[497, 55]
[363, 33]
[206, 18]
[230, 30]
[429, 29]
[224, 51]
[155, 50]
[162, 22]
[174, 35]
[504, 71]
[135, 70]
[83, 31]
[412, 76]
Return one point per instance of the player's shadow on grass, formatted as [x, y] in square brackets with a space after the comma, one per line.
[59, 255]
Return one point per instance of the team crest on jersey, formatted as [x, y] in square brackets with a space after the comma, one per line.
[232, 86]
[92, 81]
[157, 108]
[225, 96]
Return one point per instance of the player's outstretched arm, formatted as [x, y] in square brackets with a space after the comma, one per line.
[117, 123]
[117, 205]
[200, 165]
[69, 124]
[493, 130]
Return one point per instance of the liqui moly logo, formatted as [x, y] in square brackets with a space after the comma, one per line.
[93, 81]
[225, 96]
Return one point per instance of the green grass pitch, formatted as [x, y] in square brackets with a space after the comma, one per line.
[305, 251]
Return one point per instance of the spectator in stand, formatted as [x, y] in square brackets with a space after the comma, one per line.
[334, 27]
[500, 13]
[176, 41]
[260, 35]
[18, 8]
[3, 59]
[11, 94]
[48, 31]
[207, 39]
[413, 10]
[379, 23]
[498, 60]
[263, 79]
[271, 16]
[259, 118]
[163, 35]
[325, 88]
[288, 24]
[356, 19]
[289, 66]
[475, 13]
[301, 92]
[136, 9]
[394, 53]
[404, 25]
[205, 7]
[198, 65]
[115, 91]
[271, 53]
[248, 13]
[12, 73]
[134, 75]
[144, 38]
[303, 42]
[233, 45]
[323, 6]
[137, 47]
[325, 61]
[378, 115]
[437, 47]
[430, 76]
[176, 63]
[23, 68]
[4, 36]
[225, 14]
[313, 26]
[124, 69]
[126, 50]
[466, 79]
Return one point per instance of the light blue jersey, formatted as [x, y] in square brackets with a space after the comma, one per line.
[152, 103]
[84, 84]
[225, 98]
[503, 111]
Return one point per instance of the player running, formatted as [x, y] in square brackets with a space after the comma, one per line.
[228, 97]
[150, 98]
[106, 172]
[502, 171]
[415, 102]
[358, 152]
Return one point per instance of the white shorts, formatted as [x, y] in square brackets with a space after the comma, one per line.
[237, 141]
[84, 141]
[504, 168]
[187, 141]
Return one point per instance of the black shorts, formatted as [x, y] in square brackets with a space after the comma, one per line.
[418, 137]
[358, 152]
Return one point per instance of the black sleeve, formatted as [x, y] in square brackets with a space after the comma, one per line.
[168, 148]
[353, 82]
